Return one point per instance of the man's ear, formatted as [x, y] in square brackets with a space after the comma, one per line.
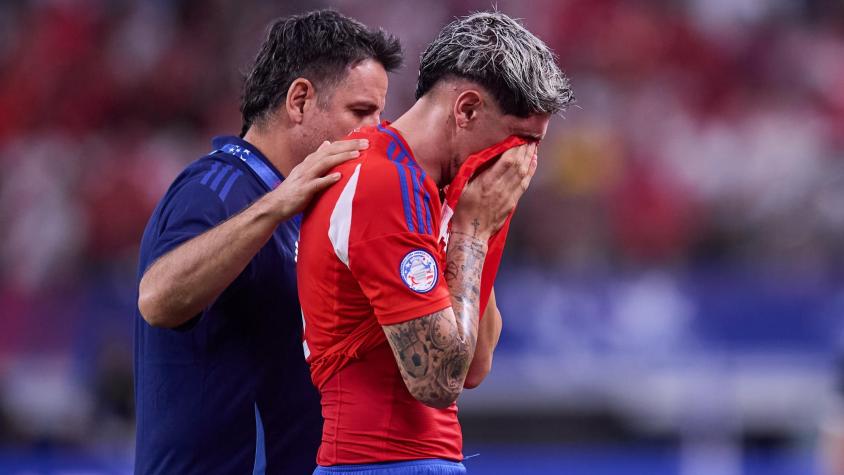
[300, 97]
[467, 107]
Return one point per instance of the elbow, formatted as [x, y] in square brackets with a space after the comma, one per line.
[477, 373]
[151, 308]
[474, 381]
[147, 305]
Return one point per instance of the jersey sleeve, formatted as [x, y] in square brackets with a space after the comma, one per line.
[192, 206]
[392, 251]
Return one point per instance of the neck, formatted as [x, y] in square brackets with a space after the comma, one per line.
[274, 145]
[424, 129]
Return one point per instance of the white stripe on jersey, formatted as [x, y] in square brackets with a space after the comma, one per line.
[447, 214]
[340, 223]
[305, 347]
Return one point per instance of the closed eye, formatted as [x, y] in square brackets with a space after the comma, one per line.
[364, 111]
[531, 137]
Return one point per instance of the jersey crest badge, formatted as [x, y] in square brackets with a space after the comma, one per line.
[419, 271]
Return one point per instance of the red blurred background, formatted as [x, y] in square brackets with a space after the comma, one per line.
[672, 289]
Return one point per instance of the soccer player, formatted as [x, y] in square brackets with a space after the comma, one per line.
[221, 384]
[391, 314]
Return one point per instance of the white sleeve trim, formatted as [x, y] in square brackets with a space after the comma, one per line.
[340, 223]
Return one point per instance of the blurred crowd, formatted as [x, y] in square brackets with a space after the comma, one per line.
[708, 134]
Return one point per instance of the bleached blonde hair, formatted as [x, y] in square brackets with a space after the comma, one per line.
[499, 53]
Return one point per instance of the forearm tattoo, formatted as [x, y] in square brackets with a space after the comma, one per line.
[434, 352]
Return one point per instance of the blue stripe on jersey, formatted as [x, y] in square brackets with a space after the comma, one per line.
[214, 167]
[424, 199]
[417, 196]
[427, 198]
[225, 171]
[427, 210]
[403, 183]
[225, 191]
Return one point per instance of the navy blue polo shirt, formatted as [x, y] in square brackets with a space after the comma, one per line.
[229, 391]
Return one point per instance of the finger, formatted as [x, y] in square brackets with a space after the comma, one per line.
[534, 161]
[508, 160]
[516, 154]
[331, 161]
[319, 184]
[318, 164]
[347, 146]
[530, 151]
[513, 166]
[524, 160]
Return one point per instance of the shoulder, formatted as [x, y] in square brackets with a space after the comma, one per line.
[220, 174]
[370, 176]
[216, 179]
[381, 167]
[380, 185]
[370, 181]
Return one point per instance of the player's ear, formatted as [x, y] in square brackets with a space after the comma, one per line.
[300, 96]
[466, 107]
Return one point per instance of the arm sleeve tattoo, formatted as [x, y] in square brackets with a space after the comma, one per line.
[434, 352]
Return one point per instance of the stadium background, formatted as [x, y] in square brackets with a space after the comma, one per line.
[672, 288]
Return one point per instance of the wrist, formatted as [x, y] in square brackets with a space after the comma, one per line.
[472, 229]
[269, 210]
[481, 239]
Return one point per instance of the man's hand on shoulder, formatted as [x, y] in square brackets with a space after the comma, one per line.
[309, 178]
[182, 282]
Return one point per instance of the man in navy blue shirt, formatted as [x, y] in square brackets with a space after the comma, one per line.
[221, 384]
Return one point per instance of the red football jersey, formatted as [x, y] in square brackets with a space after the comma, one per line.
[371, 254]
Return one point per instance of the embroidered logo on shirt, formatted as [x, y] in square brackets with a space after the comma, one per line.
[419, 271]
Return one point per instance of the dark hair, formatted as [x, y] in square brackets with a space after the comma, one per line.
[318, 46]
[501, 55]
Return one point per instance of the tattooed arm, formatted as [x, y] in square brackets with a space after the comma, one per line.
[489, 331]
[434, 352]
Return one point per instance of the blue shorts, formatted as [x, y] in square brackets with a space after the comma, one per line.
[412, 467]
